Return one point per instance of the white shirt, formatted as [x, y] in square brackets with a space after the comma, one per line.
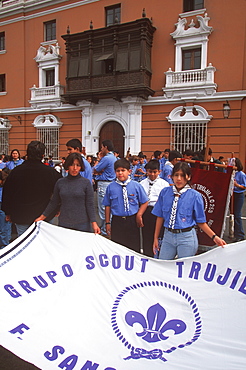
[154, 190]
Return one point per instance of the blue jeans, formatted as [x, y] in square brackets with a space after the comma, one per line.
[101, 190]
[238, 225]
[181, 244]
[5, 230]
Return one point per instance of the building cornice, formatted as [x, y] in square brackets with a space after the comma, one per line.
[218, 96]
[34, 6]
[30, 110]
[155, 100]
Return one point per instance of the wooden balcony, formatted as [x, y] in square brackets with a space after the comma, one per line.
[111, 62]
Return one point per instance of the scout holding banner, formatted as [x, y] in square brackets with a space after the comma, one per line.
[215, 188]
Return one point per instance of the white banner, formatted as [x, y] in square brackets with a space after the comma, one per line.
[73, 300]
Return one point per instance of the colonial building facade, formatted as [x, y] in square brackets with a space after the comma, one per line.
[169, 75]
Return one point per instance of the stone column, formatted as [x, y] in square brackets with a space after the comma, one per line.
[87, 125]
[133, 136]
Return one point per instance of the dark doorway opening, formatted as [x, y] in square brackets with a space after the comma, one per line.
[113, 131]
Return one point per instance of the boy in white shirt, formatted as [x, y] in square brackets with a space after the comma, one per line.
[153, 185]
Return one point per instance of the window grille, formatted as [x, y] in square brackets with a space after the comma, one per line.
[50, 137]
[4, 141]
[188, 136]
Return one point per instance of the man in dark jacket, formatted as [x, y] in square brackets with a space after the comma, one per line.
[28, 188]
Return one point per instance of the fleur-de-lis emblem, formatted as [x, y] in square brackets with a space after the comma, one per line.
[154, 327]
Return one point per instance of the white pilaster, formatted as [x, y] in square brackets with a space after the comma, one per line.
[87, 126]
[133, 138]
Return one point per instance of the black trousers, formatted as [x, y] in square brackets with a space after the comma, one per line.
[124, 231]
[148, 231]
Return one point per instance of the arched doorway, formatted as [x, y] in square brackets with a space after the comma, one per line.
[113, 131]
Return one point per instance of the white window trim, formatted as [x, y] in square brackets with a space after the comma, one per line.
[5, 126]
[190, 38]
[48, 58]
[48, 123]
[188, 118]
[45, 43]
[192, 13]
[196, 82]
[176, 117]
[47, 96]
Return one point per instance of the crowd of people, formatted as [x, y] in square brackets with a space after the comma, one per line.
[133, 193]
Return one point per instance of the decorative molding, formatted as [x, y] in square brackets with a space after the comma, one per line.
[47, 96]
[49, 54]
[5, 124]
[217, 96]
[153, 100]
[191, 37]
[45, 43]
[110, 110]
[115, 118]
[197, 82]
[192, 29]
[192, 13]
[127, 113]
[189, 114]
[47, 121]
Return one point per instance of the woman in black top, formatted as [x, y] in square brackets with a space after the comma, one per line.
[74, 196]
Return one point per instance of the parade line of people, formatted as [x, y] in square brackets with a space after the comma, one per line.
[133, 194]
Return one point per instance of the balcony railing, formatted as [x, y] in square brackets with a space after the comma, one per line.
[195, 76]
[189, 77]
[201, 81]
[46, 96]
[46, 92]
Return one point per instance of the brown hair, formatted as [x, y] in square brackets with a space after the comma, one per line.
[71, 158]
[184, 167]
